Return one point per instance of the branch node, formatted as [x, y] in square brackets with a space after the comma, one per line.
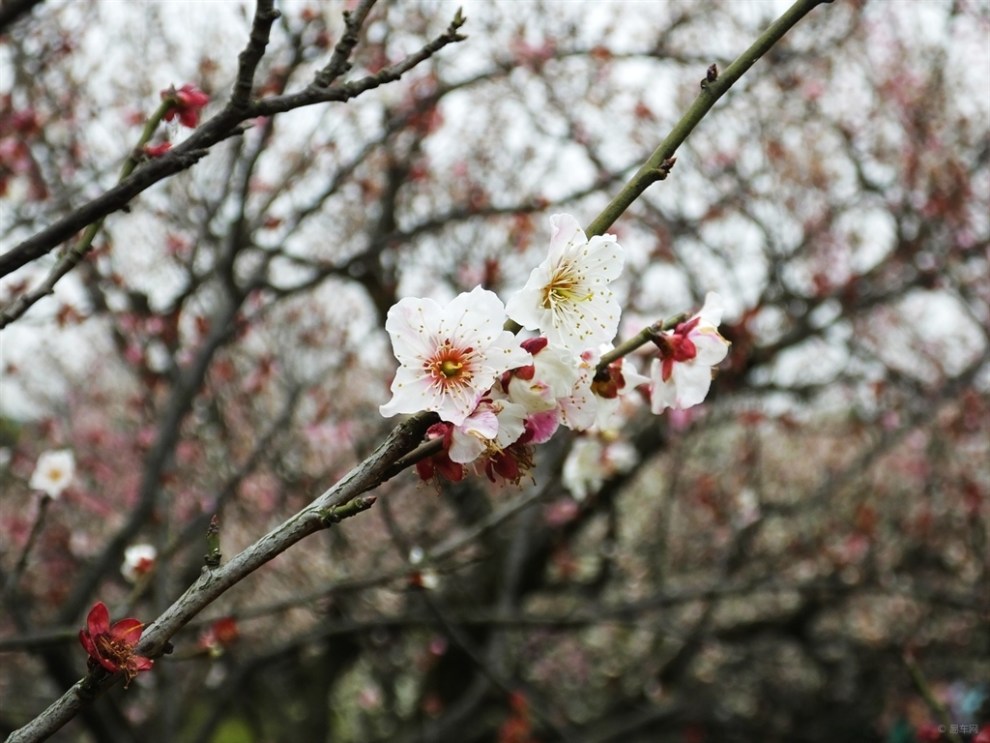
[459, 20]
[711, 75]
[665, 167]
[335, 514]
[213, 555]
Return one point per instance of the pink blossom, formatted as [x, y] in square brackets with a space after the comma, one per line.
[682, 375]
[187, 104]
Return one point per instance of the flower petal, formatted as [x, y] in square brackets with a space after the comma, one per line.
[411, 324]
[98, 620]
[409, 389]
[127, 631]
[692, 382]
[86, 640]
[711, 311]
[140, 663]
[710, 346]
[564, 232]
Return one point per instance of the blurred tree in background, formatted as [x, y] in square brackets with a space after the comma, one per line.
[805, 557]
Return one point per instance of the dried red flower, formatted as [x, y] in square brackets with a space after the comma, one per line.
[112, 646]
[440, 465]
[187, 103]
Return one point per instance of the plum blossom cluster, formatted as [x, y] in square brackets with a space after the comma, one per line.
[498, 393]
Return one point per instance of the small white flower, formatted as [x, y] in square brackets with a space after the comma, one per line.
[567, 297]
[554, 373]
[579, 410]
[609, 415]
[591, 461]
[747, 508]
[139, 559]
[594, 405]
[54, 472]
[682, 375]
[449, 356]
[427, 579]
[494, 426]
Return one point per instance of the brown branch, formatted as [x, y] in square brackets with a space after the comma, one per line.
[341, 501]
[264, 16]
[228, 123]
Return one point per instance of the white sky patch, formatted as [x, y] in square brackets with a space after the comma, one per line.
[939, 337]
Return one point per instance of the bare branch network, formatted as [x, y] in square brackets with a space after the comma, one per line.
[637, 567]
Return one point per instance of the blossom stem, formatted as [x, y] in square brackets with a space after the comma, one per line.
[654, 169]
[421, 452]
[126, 169]
[15, 577]
[213, 555]
[644, 336]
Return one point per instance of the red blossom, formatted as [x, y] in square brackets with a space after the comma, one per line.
[512, 463]
[112, 646]
[187, 103]
[677, 346]
[221, 634]
[517, 727]
[157, 150]
[440, 464]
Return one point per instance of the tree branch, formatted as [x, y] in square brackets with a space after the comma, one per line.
[713, 87]
[226, 124]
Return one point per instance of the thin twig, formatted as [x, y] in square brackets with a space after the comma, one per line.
[10, 589]
[660, 162]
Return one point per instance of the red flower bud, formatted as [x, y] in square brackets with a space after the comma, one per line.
[187, 103]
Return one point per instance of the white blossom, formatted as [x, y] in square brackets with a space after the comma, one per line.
[139, 559]
[449, 356]
[53, 472]
[567, 297]
[494, 425]
[584, 408]
[591, 461]
[554, 374]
